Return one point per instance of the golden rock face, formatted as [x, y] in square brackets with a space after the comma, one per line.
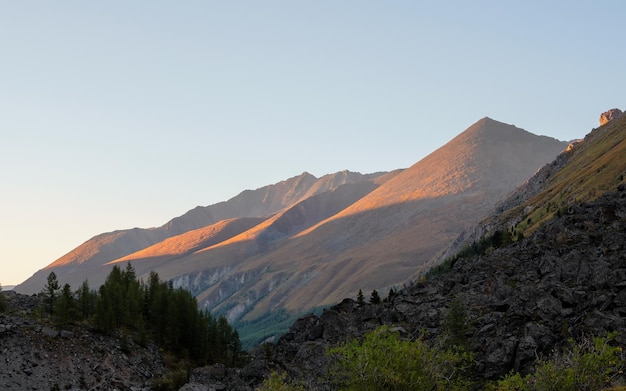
[610, 115]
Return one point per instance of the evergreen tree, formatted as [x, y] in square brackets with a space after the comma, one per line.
[86, 301]
[51, 292]
[375, 298]
[65, 308]
[390, 295]
[360, 299]
[132, 290]
[236, 349]
[456, 324]
[104, 316]
[170, 316]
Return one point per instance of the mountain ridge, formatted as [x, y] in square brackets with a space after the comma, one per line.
[345, 231]
[523, 299]
[594, 161]
[106, 247]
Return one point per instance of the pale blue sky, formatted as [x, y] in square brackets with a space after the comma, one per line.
[117, 114]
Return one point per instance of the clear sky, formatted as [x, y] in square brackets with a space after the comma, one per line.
[121, 114]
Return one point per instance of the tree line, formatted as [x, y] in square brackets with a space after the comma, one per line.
[147, 310]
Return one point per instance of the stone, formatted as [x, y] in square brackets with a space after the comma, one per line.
[66, 334]
[610, 115]
[194, 387]
[49, 332]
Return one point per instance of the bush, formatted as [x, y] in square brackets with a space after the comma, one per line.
[592, 364]
[277, 382]
[383, 361]
[456, 326]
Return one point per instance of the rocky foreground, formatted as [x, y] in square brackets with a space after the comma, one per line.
[568, 280]
[37, 356]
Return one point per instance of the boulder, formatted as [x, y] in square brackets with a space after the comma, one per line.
[610, 115]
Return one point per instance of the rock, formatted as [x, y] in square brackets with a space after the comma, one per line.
[524, 301]
[49, 332]
[610, 115]
[35, 358]
[66, 334]
[526, 353]
[194, 387]
[206, 375]
[501, 357]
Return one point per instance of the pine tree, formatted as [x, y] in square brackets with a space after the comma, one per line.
[86, 301]
[171, 316]
[51, 292]
[456, 324]
[133, 296]
[390, 295]
[360, 299]
[65, 308]
[375, 298]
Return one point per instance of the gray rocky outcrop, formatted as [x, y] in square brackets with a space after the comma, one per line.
[39, 356]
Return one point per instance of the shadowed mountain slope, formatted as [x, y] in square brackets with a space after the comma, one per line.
[321, 240]
[195, 240]
[88, 259]
[376, 242]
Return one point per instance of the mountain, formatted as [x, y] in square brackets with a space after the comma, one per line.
[317, 241]
[581, 173]
[385, 236]
[563, 279]
[87, 260]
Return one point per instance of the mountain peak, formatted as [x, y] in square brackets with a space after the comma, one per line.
[306, 174]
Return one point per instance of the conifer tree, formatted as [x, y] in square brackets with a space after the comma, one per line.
[375, 298]
[360, 299]
[51, 292]
[456, 324]
[390, 295]
[65, 308]
[170, 316]
[86, 301]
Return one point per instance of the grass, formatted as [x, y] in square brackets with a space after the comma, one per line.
[596, 165]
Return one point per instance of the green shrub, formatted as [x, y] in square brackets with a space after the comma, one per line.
[456, 325]
[277, 382]
[171, 381]
[384, 361]
[592, 364]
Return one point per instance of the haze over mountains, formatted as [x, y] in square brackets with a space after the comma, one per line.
[308, 241]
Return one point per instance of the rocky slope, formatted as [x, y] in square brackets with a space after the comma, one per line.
[567, 280]
[583, 172]
[38, 356]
